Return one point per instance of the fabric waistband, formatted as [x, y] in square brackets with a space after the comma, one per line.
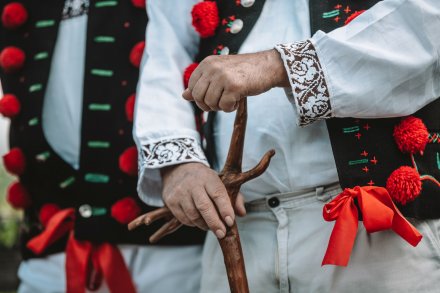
[294, 199]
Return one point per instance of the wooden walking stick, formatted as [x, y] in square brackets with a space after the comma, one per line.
[232, 177]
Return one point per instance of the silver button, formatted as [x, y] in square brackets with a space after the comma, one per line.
[236, 26]
[247, 3]
[224, 51]
[204, 143]
[85, 211]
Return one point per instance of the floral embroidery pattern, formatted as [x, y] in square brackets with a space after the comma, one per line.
[168, 151]
[307, 79]
[73, 8]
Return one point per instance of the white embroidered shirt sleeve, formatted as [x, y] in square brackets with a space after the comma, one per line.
[306, 77]
[385, 63]
[171, 151]
[164, 123]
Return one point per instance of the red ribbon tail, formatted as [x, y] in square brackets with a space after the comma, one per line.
[115, 271]
[405, 229]
[78, 255]
[398, 224]
[343, 236]
[58, 226]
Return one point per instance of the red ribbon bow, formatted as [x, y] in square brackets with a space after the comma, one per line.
[86, 263]
[379, 213]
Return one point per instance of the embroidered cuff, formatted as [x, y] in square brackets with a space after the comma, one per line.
[306, 77]
[171, 152]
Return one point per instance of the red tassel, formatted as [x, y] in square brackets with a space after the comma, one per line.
[9, 106]
[138, 3]
[47, 211]
[187, 73]
[18, 196]
[128, 161]
[404, 184]
[12, 59]
[14, 15]
[411, 135]
[15, 161]
[205, 18]
[125, 210]
[129, 107]
[136, 54]
[353, 16]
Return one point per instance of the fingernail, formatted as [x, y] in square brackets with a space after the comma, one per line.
[220, 234]
[229, 221]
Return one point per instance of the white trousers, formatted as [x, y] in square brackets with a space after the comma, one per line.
[154, 269]
[284, 245]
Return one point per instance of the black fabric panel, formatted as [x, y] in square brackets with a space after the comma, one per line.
[47, 180]
[364, 149]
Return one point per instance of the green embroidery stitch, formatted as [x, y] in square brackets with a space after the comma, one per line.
[66, 183]
[97, 178]
[105, 4]
[102, 72]
[330, 14]
[351, 129]
[35, 87]
[33, 121]
[104, 39]
[438, 161]
[100, 107]
[357, 162]
[43, 156]
[99, 211]
[41, 56]
[98, 144]
[45, 23]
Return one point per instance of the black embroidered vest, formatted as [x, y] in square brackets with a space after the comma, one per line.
[365, 150]
[114, 28]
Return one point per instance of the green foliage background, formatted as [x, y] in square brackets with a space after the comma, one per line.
[9, 218]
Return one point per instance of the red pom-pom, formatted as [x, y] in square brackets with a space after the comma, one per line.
[205, 18]
[404, 184]
[187, 73]
[14, 15]
[136, 54]
[129, 107]
[47, 211]
[128, 161]
[138, 3]
[9, 106]
[18, 196]
[15, 161]
[125, 210]
[353, 16]
[411, 135]
[12, 59]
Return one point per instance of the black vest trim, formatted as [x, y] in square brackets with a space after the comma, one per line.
[364, 149]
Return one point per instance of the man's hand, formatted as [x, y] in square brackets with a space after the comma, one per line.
[220, 82]
[197, 197]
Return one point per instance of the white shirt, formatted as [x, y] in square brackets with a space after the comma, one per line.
[164, 123]
[62, 108]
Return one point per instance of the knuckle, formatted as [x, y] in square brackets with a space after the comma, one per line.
[204, 207]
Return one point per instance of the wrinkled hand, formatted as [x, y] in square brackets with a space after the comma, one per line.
[220, 82]
[197, 197]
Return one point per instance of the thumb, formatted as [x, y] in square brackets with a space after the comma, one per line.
[239, 205]
[187, 95]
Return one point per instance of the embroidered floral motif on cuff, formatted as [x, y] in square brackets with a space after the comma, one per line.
[171, 151]
[307, 80]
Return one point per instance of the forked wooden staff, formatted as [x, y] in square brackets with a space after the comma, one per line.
[233, 178]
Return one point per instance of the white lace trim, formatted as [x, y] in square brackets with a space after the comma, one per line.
[307, 80]
[170, 152]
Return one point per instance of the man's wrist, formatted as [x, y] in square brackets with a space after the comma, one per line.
[277, 69]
